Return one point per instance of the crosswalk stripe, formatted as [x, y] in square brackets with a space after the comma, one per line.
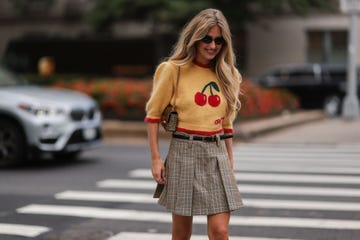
[266, 177]
[349, 154]
[290, 156]
[106, 196]
[296, 190]
[302, 205]
[270, 163]
[245, 188]
[298, 147]
[149, 216]
[163, 236]
[249, 202]
[126, 183]
[312, 162]
[279, 160]
[22, 230]
[299, 178]
[292, 168]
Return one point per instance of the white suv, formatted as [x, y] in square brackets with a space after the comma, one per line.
[37, 119]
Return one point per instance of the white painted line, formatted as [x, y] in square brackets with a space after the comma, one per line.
[149, 216]
[279, 161]
[293, 149]
[240, 166]
[301, 191]
[297, 178]
[340, 162]
[140, 173]
[267, 177]
[290, 156]
[255, 203]
[22, 230]
[280, 152]
[106, 196]
[297, 147]
[164, 236]
[302, 205]
[246, 188]
[132, 184]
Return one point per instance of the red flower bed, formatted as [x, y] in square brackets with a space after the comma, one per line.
[125, 99]
[261, 102]
[117, 98]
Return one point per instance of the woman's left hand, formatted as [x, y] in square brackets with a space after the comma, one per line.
[158, 171]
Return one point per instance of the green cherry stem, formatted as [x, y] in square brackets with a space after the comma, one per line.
[211, 85]
[203, 90]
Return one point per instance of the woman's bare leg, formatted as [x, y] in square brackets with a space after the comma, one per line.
[218, 226]
[181, 227]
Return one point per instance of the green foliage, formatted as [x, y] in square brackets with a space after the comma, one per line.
[22, 7]
[177, 12]
[302, 7]
[104, 13]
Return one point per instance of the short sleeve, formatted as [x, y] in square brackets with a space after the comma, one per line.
[162, 91]
[228, 124]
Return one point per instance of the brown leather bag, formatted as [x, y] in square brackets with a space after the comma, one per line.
[169, 117]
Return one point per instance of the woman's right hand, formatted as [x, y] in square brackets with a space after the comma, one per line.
[158, 171]
[157, 164]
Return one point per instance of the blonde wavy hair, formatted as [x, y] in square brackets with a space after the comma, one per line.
[223, 64]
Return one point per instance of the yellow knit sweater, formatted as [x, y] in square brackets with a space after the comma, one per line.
[200, 103]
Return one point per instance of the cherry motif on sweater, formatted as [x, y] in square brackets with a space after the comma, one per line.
[214, 100]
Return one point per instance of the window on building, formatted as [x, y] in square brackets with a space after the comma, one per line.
[327, 46]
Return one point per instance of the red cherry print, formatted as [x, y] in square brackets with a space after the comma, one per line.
[200, 99]
[214, 100]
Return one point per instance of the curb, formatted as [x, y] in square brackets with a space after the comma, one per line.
[243, 130]
[251, 129]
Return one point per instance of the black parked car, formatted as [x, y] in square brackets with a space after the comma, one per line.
[316, 85]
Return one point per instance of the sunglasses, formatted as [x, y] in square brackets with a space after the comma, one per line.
[218, 41]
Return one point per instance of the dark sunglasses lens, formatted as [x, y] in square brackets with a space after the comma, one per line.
[207, 39]
[219, 41]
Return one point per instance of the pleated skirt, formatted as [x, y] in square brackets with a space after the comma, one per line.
[199, 180]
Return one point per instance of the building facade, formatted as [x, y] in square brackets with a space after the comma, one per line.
[269, 41]
[298, 40]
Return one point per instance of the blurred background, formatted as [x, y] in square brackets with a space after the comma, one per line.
[296, 159]
[140, 33]
[109, 49]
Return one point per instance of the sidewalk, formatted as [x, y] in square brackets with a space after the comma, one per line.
[246, 130]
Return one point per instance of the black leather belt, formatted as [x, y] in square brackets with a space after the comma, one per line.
[204, 139]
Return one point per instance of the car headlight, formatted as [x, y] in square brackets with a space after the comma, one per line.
[42, 110]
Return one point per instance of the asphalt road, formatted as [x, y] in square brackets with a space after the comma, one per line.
[293, 188]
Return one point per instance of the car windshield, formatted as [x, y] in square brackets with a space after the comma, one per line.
[9, 79]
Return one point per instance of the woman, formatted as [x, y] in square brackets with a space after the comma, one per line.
[199, 165]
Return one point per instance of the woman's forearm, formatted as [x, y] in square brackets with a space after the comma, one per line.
[157, 165]
[153, 138]
[229, 148]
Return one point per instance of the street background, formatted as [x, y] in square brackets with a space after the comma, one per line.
[298, 182]
[297, 165]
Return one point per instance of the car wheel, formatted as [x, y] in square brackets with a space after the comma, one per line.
[12, 143]
[332, 106]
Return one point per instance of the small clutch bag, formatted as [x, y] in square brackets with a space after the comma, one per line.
[169, 119]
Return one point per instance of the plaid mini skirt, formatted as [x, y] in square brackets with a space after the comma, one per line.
[199, 180]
